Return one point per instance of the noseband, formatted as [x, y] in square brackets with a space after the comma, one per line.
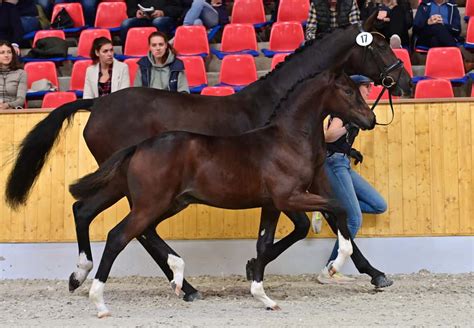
[387, 80]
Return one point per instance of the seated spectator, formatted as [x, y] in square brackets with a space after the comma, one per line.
[327, 14]
[205, 12]
[10, 30]
[437, 24]
[88, 6]
[107, 75]
[162, 14]
[395, 19]
[28, 16]
[161, 69]
[12, 78]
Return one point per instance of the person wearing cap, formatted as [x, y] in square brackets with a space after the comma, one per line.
[351, 190]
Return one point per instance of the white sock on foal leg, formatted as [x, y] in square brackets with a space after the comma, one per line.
[84, 266]
[259, 293]
[177, 266]
[344, 251]
[96, 295]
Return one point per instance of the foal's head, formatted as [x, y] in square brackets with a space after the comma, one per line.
[343, 99]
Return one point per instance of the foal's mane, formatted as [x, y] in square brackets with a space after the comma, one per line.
[286, 97]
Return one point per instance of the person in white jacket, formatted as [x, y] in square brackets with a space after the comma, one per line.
[107, 75]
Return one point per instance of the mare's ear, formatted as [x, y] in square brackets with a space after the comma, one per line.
[368, 24]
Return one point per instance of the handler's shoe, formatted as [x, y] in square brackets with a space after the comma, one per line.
[338, 278]
[317, 221]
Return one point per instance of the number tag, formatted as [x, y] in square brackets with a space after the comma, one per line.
[363, 39]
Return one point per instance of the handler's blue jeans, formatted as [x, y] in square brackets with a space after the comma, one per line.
[352, 192]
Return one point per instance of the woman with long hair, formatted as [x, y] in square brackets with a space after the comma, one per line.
[160, 69]
[12, 78]
[107, 75]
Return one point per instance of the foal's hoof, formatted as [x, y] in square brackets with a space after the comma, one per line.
[176, 288]
[249, 269]
[73, 282]
[274, 308]
[192, 297]
[104, 314]
[381, 281]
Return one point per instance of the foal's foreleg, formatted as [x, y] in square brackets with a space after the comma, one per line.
[379, 279]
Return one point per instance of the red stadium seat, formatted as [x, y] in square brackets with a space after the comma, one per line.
[469, 8]
[238, 70]
[132, 68]
[110, 15]
[293, 10]
[278, 58]
[136, 44]
[238, 37]
[195, 72]
[56, 99]
[191, 41]
[86, 39]
[434, 88]
[248, 12]
[74, 10]
[284, 37]
[445, 63]
[404, 56]
[48, 34]
[41, 70]
[469, 44]
[78, 76]
[217, 91]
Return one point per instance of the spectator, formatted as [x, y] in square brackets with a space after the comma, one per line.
[88, 6]
[327, 14]
[202, 12]
[395, 18]
[10, 30]
[29, 16]
[107, 75]
[47, 6]
[162, 14]
[12, 78]
[352, 192]
[161, 69]
[437, 24]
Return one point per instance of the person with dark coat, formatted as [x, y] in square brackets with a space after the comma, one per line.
[437, 24]
[10, 30]
[162, 14]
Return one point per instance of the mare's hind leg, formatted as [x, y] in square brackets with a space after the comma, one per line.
[153, 244]
[269, 251]
[84, 213]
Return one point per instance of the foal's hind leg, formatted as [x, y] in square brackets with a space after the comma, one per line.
[84, 213]
[268, 252]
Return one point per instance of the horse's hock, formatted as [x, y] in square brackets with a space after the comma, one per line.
[422, 164]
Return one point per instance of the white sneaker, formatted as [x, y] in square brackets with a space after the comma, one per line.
[317, 221]
[338, 278]
[395, 42]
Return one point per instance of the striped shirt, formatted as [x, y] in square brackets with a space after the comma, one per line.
[311, 27]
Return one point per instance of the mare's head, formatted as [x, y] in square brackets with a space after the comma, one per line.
[342, 98]
[378, 61]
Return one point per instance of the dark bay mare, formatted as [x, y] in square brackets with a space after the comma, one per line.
[164, 174]
[130, 116]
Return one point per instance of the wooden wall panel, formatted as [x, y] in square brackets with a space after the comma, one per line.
[422, 164]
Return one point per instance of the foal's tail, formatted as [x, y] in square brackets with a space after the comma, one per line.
[94, 182]
[34, 151]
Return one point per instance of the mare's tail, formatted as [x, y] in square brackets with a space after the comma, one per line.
[34, 151]
[94, 182]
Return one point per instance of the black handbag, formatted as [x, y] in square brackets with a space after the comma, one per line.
[62, 20]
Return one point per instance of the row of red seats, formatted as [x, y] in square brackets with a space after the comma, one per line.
[285, 37]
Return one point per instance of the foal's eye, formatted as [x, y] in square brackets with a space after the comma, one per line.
[349, 92]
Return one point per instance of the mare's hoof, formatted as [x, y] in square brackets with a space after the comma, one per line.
[381, 281]
[249, 269]
[274, 308]
[192, 297]
[73, 282]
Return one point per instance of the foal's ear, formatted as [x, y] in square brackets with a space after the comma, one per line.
[368, 24]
